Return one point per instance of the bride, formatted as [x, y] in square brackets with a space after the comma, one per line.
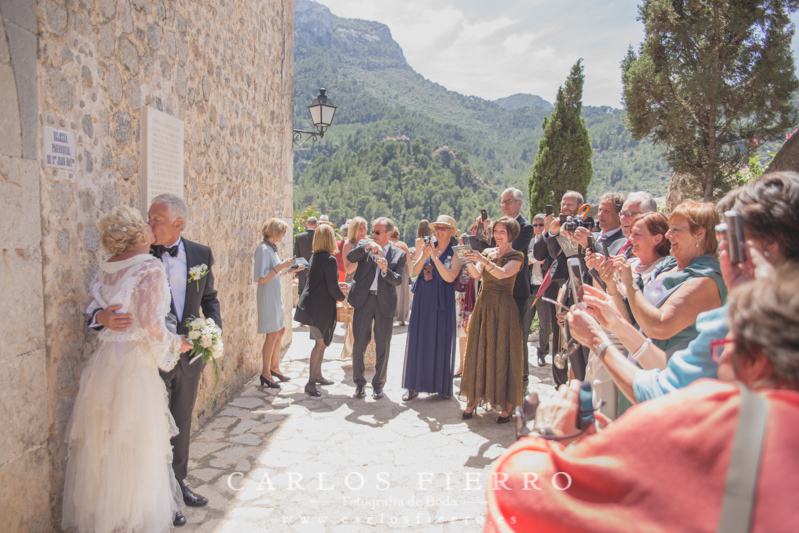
[119, 472]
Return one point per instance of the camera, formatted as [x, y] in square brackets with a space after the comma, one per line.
[573, 223]
[427, 239]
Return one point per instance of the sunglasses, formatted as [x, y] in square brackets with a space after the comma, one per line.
[538, 225]
[377, 232]
[508, 202]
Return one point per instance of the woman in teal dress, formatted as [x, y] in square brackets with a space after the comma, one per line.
[271, 318]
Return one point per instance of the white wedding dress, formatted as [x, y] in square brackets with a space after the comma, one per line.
[119, 473]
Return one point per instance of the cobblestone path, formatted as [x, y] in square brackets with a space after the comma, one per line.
[287, 462]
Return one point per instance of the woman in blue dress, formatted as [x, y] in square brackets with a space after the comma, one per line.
[271, 318]
[430, 350]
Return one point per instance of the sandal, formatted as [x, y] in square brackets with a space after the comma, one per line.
[410, 395]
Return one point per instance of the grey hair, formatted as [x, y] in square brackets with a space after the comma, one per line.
[175, 206]
[517, 194]
[386, 223]
[648, 204]
[311, 221]
[576, 195]
[540, 216]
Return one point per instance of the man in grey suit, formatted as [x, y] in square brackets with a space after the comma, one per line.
[373, 294]
[303, 247]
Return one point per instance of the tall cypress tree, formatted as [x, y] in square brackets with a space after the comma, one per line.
[710, 77]
[563, 161]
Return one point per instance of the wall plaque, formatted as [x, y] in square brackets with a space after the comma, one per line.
[162, 155]
[59, 148]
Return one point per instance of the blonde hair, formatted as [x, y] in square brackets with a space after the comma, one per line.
[273, 229]
[355, 227]
[324, 239]
[121, 228]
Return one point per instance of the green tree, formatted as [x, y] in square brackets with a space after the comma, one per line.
[563, 161]
[709, 78]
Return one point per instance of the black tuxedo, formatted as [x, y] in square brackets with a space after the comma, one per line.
[183, 380]
[378, 307]
[303, 247]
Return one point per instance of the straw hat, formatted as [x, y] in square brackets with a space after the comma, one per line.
[444, 220]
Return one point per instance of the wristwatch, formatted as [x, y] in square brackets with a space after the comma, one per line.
[599, 350]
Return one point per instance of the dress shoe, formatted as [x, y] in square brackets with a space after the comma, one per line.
[410, 395]
[323, 381]
[312, 391]
[280, 377]
[542, 360]
[270, 384]
[359, 391]
[191, 499]
[467, 415]
[377, 394]
[179, 519]
[503, 419]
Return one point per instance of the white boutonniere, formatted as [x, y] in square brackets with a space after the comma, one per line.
[196, 273]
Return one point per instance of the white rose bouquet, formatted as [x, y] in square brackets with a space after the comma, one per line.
[207, 339]
[196, 273]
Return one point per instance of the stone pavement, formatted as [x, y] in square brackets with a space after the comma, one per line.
[283, 461]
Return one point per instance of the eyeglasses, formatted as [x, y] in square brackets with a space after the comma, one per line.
[377, 232]
[538, 225]
[717, 347]
[508, 202]
[629, 214]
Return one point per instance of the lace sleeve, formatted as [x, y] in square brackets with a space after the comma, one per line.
[150, 304]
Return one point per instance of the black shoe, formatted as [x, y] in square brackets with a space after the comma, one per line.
[467, 416]
[503, 419]
[377, 394]
[459, 374]
[179, 519]
[542, 360]
[312, 391]
[323, 381]
[270, 384]
[360, 392]
[280, 377]
[191, 499]
[410, 395]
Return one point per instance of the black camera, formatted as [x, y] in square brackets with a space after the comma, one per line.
[427, 239]
[573, 223]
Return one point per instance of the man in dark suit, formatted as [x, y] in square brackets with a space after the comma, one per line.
[168, 215]
[511, 205]
[303, 247]
[373, 294]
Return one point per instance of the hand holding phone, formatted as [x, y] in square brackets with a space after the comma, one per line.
[549, 209]
[576, 277]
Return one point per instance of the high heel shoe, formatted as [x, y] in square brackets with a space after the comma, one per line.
[280, 377]
[503, 419]
[467, 415]
[323, 381]
[312, 390]
[270, 384]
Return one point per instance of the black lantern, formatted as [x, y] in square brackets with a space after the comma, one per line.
[322, 111]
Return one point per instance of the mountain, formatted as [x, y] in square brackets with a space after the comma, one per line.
[381, 99]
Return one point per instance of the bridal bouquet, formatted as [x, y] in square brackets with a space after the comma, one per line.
[207, 339]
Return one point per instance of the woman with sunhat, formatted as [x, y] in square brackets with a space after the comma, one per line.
[430, 349]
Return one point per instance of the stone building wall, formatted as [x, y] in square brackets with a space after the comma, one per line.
[225, 68]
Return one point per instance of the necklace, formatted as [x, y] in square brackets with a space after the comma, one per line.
[642, 266]
[272, 246]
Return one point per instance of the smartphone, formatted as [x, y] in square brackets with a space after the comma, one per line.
[549, 209]
[483, 215]
[735, 237]
[576, 276]
[590, 245]
[605, 251]
[585, 415]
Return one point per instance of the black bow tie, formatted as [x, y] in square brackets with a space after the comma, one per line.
[159, 250]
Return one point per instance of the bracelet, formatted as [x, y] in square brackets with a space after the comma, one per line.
[613, 294]
[642, 349]
[599, 350]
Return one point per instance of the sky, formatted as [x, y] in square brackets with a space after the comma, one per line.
[497, 48]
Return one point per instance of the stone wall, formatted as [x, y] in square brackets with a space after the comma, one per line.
[225, 68]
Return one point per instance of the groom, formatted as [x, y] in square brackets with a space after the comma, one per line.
[168, 216]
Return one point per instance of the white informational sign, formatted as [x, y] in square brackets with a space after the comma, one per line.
[59, 148]
[162, 155]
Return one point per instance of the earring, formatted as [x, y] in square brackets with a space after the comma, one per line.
[767, 253]
[697, 244]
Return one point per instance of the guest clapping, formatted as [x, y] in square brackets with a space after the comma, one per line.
[493, 372]
[317, 305]
[271, 319]
[430, 349]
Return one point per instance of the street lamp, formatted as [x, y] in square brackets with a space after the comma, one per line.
[322, 111]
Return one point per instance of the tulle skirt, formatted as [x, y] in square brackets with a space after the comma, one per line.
[119, 472]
